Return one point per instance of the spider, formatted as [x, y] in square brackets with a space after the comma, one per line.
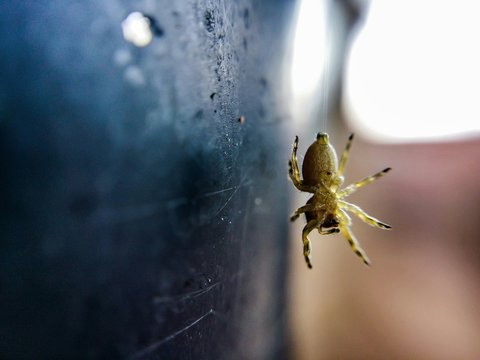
[326, 210]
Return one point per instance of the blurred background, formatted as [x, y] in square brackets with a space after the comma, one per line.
[403, 76]
[144, 191]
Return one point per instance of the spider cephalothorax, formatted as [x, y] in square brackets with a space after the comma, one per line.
[326, 210]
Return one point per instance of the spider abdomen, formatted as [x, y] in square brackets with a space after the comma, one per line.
[320, 162]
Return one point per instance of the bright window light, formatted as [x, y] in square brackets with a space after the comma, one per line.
[309, 54]
[413, 72]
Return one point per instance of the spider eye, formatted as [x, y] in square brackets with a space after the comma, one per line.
[329, 173]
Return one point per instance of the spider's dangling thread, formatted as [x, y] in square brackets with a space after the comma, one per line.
[325, 79]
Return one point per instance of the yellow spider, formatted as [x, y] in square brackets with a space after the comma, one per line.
[326, 210]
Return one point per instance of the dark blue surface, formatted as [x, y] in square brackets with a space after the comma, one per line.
[139, 217]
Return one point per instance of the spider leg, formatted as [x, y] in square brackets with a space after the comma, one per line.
[294, 172]
[344, 158]
[363, 215]
[312, 224]
[329, 231]
[354, 244]
[304, 209]
[353, 187]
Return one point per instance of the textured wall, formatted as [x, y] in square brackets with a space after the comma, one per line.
[139, 217]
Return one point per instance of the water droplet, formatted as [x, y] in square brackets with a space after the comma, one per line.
[137, 30]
